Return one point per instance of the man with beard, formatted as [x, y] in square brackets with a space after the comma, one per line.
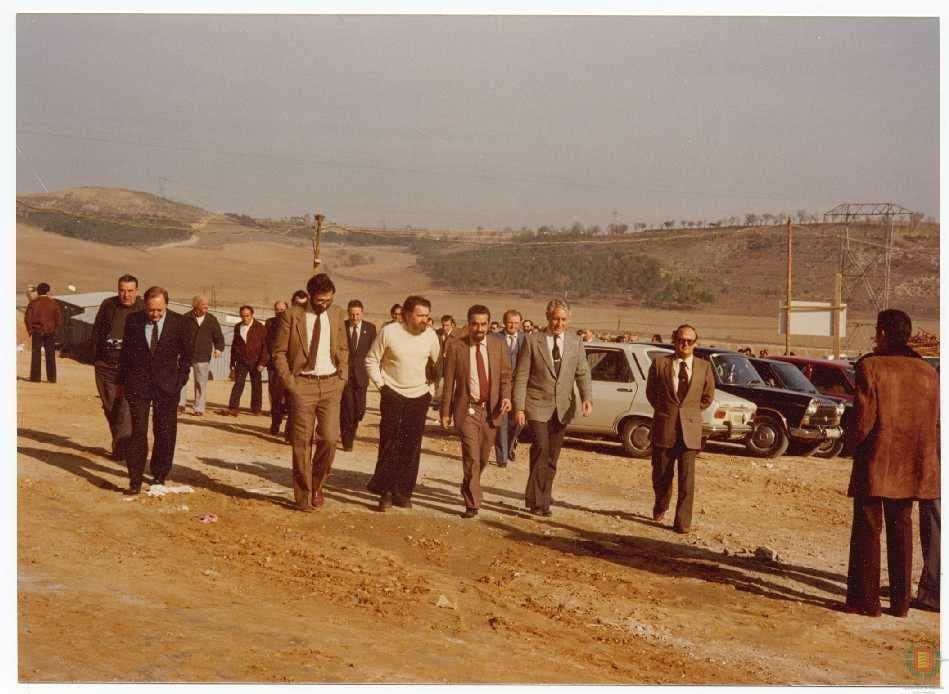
[403, 364]
[108, 331]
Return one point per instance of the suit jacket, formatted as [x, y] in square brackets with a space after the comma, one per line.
[358, 376]
[292, 348]
[43, 315]
[457, 362]
[252, 352]
[205, 337]
[894, 428]
[538, 390]
[163, 373]
[668, 411]
[102, 328]
[518, 343]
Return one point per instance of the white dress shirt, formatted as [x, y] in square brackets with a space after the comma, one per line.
[675, 370]
[474, 387]
[550, 346]
[324, 362]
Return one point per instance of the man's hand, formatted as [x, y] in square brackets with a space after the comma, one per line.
[260, 367]
[446, 421]
[216, 353]
[587, 408]
[505, 405]
[520, 418]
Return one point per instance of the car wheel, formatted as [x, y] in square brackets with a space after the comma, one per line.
[635, 437]
[830, 448]
[767, 439]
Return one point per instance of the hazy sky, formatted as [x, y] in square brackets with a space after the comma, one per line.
[493, 121]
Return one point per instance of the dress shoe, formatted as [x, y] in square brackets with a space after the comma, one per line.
[470, 513]
[927, 606]
[511, 455]
[181, 409]
[658, 516]
[317, 498]
[866, 612]
[402, 503]
[385, 501]
[348, 449]
[197, 414]
[545, 512]
[502, 464]
[681, 531]
[274, 429]
[159, 480]
[132, 491]
[256, 413]
[232, 412]
[306, 508]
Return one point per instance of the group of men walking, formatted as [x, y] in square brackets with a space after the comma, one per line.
[493, 385]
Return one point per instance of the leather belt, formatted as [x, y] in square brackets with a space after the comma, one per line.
[314, 377]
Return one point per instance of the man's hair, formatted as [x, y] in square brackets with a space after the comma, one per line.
[320, 284]
[152, 292]
[675, 333]
[128, 278]
[277, 303]
[448, 316]
[408, 306]
[249, 308]
[42, 288]
[197, 300]
[896, 326]
[478, 310]
[355, 303]
[300, 295]
[393, 307]
[554, 304]
[510, 312]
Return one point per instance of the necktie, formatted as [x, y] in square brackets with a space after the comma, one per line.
[484, 385]
[354, 337]
[314, 344]
[683, 382]
[556, 354]
[154, 341]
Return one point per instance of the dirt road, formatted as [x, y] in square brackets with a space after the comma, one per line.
[112, 589]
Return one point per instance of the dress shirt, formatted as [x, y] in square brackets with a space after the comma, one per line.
[675, 370]
[550, 345]
[474, 389]
[148, 327]
[244, 330]
[200, 319]
[324, 363]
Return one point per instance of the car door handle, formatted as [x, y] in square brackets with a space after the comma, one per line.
[624, 390]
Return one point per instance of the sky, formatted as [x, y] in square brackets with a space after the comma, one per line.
[489, 121]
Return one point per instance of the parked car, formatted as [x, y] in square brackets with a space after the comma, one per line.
[781, 374]
[835, 377]
[621, 411]
[783, 416]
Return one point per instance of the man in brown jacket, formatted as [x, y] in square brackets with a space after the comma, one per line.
[311, 356]
[42, 318]
[679, 387]
[477, 394]
[894, 433]
[249, 356]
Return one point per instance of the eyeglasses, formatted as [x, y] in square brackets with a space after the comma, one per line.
[324, 302]
[685, 341]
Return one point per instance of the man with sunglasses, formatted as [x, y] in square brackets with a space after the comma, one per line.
[679, 387]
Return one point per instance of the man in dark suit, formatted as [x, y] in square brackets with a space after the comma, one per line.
[679, 387]
[550, 363]
[508, 431]
[249, 356]
[311, 355]
[153, 368]
[477, 396]
[352, 407]
[43, 316]
[894, 435]
[107, 333]
[275, 389]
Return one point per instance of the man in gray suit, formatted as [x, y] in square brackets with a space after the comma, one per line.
[508, 431]
[679, 387]
[551, 361]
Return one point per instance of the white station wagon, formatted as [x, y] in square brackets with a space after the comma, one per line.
[621, 411]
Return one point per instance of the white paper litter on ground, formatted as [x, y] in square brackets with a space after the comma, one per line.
[269, 491]
[161, 490]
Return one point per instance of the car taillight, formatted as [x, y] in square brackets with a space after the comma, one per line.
[720, 414]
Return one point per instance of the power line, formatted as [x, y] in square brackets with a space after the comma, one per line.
[36, 174]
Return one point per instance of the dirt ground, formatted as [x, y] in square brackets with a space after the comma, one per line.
[133, 590]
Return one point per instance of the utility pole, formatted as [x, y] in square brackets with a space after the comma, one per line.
[317, 228]
[787, 308]
[837, 308]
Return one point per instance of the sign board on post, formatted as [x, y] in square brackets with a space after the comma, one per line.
[812, 318]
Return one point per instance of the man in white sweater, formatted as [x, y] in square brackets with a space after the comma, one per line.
[403, 364]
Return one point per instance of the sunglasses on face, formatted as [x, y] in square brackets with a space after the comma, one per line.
[685, 341]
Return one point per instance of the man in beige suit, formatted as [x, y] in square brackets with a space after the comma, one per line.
[311, 357]
[477, 394]
[550, 362]
[679, 387]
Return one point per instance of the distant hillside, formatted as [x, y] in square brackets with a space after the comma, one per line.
[116, 204]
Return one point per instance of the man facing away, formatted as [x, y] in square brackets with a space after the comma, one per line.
[508, 431]
[207, 341]
[403, 364]
[248, 358]
[550, 363]
[311, 356]
[894, 434]
[679, 387]
[360, 334]
[42, 319]
[477, 395]
[108, 331]
[153, 368]
[274, 387]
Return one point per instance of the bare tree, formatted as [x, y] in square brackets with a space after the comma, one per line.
[751, 219]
